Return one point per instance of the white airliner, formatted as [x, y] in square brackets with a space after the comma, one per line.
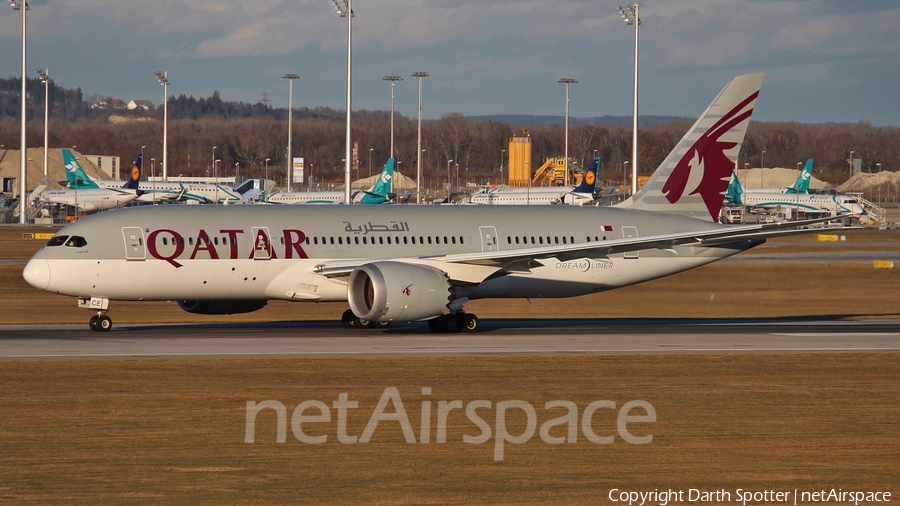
[379, 193]
[810, 203]
[91, 199]
[407, 262]
[580, 195]
[158, 191]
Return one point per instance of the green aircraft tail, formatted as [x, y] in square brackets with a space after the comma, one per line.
[75, 175]
[802, 183]
[381, 191]
[735, 190]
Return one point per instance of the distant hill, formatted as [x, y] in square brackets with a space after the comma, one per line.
[520, 120]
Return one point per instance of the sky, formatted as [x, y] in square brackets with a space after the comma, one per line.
[826, 60]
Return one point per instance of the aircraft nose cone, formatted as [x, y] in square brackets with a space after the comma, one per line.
[37, 273]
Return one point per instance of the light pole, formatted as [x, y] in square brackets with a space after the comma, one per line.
[631, 16]
[419, 76]
[879, 183]
[567, 81]
[393, 79]
[625, 176]
[762, 165]
[851, 163]
[142, 162]
[266, 181]
[215, 167]
[44, 76]
[237, 172]
[163, 78]
[345, 10]
[502, 152]
[22, 5]
[153, 172]
[290, 159]
[370, 161]
[448, 179]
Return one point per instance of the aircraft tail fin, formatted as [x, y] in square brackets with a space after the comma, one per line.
[589, 181]
[693, 179]
[381, 190]
[134, 178]
[75, 175]
[802, 183]
[735, 190]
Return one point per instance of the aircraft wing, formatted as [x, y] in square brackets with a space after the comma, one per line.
[593, 249]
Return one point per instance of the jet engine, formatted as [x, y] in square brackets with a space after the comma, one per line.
[221, 306]
[396, 291]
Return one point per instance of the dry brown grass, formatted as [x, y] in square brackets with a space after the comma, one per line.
[164, 431]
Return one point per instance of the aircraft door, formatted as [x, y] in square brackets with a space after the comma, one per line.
[489, 240]
[262, 244]
[135, 248]
[630, 232]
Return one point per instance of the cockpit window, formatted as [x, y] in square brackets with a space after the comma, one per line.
[57, 240]
[76, 241]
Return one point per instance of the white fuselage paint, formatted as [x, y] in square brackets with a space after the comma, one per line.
[231, 266]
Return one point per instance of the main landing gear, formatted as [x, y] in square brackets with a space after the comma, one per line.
[455, 322]
[99, 322]
[351, 321]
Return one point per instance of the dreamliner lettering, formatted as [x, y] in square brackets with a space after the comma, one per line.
[705, 165]
[583, 265]
[206, 247]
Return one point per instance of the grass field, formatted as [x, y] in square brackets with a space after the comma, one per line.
[167, 431]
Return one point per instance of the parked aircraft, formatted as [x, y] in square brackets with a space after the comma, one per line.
[90, 199]
[833, 205]
[379, 193]
[580, 195]
[801, 185]
[409, 263]
[152, 190]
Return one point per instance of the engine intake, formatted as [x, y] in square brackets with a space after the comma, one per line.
[396, 291]
[221, 306]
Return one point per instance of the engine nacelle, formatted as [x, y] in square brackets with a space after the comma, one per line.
[221, 306]
[395, 291]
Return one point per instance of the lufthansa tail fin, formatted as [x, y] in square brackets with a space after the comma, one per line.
[75, 175]
[735, 191]
[802, 183]
[589, 181]
[692, 180]
[134, 178]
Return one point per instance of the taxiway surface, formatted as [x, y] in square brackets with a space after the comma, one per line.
[501, 337]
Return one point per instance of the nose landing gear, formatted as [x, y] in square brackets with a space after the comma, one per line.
[99, 322]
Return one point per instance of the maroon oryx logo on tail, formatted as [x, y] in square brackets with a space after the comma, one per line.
[406, 290]
[706, 165]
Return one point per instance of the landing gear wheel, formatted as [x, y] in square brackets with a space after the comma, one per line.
[93, 323]
[382, 325]
[470, 323]
[104, 323]
[450, 323]
[434, 324]
[349, 320]
[363, 324]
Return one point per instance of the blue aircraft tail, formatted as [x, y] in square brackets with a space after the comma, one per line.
[735, 190]
[589, 181]
[802, 183]
[75, 175]
[381, 191]
[134, 178]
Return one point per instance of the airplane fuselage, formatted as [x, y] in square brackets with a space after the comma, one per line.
[273, 252]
